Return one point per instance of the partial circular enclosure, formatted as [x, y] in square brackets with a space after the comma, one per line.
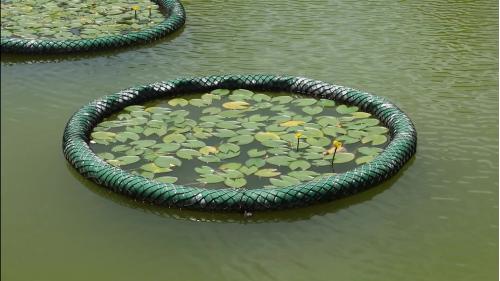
[402, 146]
[174, 19]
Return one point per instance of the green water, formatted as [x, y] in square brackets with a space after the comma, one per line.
[436, 220]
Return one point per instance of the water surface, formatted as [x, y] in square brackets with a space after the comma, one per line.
[436, 220]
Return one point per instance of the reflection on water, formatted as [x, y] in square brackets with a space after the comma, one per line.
[438, 220]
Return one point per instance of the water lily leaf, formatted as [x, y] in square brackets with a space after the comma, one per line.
[252, 125]
[236, 105]
[135, 129]
[131, 108]
[274, 143]
[166, 179]
[210, 97]
[199, 102]
[123, 136]
[193, 144]
[343, 109]
[364, 159]
[243, 92]
[175, 137]
[312, 110]
[103, 135]
[166, 147]
[305, 101]
[377, 130]
[153, 168]
[347, 139]
[214, 178]
[230, 166]
[361, 114]
[370, 151]
[209, 159]
[227, 155]
[304, 165]
[278, 150]
[257, 118]
[303, 175]
[120, 148]
[325, 121]
[233, 174]
[148, 175]
[220, 92]
[342, 157]
[326, 103]
[321, 162]
[291, 180]
[279, 160]
[228, 125]
[313, 155]
[256, 153]
[261, 97]
[204, 170]
[227, 147]
[356, 134]
[211, 118]
[248, 170]
[257, 162]
[235, 183]
[267, 173]
[126, 160]
[241, 139]
[208, 149]
[310, 132]
[106, 156]
[143, 143]
[167, 161]
[263, 136]
[292, 123]
[369, 122]
[283, 182]
[134, 151]
[321, 141]
[187, 153]
[282, 99]
[178, 102]
[157, 110]
[159, 132]
[375, 139]
[334, 131]
[275, 128]
[211, 110]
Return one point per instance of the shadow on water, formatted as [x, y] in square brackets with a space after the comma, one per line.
[288, 215]
[52, 58]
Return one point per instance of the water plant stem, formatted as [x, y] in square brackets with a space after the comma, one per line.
[334, 152]
[298, 141]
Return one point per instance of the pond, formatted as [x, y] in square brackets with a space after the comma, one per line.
[435, 220]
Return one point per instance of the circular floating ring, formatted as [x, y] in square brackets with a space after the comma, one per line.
[401, 148]
[176, 18]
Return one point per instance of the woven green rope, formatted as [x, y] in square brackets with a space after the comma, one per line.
[400, 149]
[176, 18]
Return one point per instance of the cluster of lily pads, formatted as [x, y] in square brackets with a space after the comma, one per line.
[76, 19]
[238, 138]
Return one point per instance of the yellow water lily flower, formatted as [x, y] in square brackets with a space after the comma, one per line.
[298, 135]
[337, 144]
[136, 8]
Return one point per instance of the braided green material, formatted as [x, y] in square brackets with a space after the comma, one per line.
[400, 149]
[176, 18]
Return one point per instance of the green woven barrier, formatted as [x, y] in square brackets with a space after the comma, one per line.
[175, 20]
[400, 149]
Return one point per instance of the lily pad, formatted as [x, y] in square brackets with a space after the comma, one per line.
[267, 173]
[235, 183]
[167, 161]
